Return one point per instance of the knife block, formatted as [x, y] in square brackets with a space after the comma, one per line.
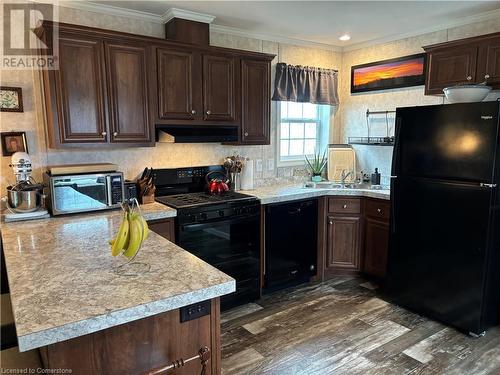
[148, 199]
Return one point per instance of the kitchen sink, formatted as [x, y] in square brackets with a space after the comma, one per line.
[333, 185]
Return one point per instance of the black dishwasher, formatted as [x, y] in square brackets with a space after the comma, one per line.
[291, 242]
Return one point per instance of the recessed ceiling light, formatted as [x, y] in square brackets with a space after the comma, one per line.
[345, 37]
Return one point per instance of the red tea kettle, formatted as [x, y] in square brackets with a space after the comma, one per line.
[216, 186]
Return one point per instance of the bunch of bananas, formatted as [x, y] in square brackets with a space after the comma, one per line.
[132, 232]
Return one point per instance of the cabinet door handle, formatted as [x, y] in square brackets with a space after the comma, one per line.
[469, 78]
[104, 134]
[486, 76]
[379, 210]
[209, 112]
[193, 112]
[246, 134]
[345, 205]
[115, 134]
[330, 222]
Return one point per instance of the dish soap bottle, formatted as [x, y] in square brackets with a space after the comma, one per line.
[376, 177]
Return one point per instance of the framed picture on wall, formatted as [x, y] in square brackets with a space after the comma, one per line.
[389, 74]
[11, 99]
[13, 142]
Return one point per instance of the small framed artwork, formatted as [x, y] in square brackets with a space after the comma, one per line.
[389, 74]
[13, 142]
[11, 99]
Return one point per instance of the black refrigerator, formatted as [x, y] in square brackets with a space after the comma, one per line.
[444, 252]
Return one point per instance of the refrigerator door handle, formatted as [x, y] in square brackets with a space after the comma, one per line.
[393, 204]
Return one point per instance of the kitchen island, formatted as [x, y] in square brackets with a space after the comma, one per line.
[68, 301]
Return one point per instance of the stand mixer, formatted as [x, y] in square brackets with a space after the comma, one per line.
[24, 198]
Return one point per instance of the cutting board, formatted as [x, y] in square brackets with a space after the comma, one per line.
[340, 159]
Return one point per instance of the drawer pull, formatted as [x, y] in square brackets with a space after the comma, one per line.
[379, 210]
[345, 205]
[469, 78]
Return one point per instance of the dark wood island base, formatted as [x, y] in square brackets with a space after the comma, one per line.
[141, 346]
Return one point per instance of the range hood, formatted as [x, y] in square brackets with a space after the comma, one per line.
[196, 134]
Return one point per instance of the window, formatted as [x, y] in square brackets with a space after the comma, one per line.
[302, 131]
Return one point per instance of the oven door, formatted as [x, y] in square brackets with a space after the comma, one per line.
[79, 193]
[231, 245]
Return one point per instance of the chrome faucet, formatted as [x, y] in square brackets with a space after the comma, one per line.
[344, 176]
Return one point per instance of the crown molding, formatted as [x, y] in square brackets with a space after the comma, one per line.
[200, 17]
[110, 10]
[494, 14]
[186, 15]
[273, 38]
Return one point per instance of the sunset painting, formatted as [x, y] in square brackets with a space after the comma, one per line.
[401, 72]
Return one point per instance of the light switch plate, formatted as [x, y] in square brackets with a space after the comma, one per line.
[258, 165]
[270, 164]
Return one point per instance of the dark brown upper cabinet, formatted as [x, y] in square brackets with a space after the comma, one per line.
[218, 88]
[471, 60]
[112, 88]
[255, 101]
[451, 67]
[179, 74]
[128, 93]
[99, 95]
[77, 94]
[489, 51]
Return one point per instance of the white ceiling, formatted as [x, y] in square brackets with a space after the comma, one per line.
[324, 21]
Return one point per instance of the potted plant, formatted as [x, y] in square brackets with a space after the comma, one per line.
[316, 165]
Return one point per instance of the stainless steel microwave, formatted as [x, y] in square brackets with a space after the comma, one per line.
[69, 194]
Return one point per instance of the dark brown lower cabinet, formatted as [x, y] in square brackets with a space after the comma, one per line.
[376, 246]
[141, 346]
[343, 244]
[377, 215]
[163, 227]
[354, 238]
[343, 236]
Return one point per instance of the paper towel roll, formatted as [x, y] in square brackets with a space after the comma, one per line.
[246, 177]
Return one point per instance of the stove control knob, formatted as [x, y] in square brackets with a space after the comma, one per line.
[221, 213]
[203, 216]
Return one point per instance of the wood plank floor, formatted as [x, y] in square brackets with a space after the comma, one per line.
[342, 326]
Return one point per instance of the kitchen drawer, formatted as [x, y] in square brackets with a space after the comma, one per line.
[378, 209]
[344, 205]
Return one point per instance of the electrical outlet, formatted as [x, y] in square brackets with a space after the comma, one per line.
[270, 164]
[258, 165]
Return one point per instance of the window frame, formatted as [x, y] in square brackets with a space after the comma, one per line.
[298, 160]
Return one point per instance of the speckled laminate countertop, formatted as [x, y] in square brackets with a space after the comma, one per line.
[283, 193]
[62, 283]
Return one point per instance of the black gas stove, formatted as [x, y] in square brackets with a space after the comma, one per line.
[189, 200]
[223, 230]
